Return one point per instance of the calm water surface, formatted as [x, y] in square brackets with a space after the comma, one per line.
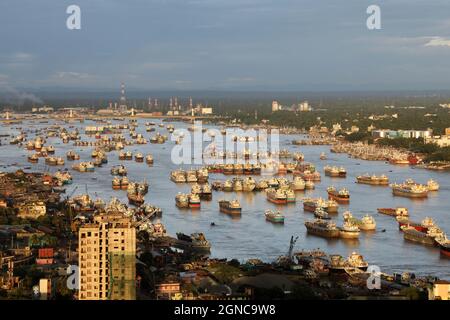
[251, 236]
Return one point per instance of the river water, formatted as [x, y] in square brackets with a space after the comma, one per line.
[251, 236]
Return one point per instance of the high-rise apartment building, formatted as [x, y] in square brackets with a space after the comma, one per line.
[107, 251]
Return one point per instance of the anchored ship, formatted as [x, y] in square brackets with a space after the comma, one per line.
[232, 207]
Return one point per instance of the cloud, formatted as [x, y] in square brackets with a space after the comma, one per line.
[438, 42]
[71, 75]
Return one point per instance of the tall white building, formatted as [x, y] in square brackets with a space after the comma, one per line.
[275, 106]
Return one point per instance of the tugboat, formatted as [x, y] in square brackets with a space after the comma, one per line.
[276, 196]
[194, 201]
[182, 200]
[341, 196]
[322, 228]
[275, 217]
[232, 207]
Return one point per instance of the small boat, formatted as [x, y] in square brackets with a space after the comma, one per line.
[322, 228]
[275, 217]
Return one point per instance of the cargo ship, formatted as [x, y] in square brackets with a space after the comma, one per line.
[410, 190]
[322, 228]
[423, 226]
[178, 176]
[139, 157]
[232, 207]
[206, 192]
[290, 196]
[149, 159]
[276, 196]
[339, 265]
[395, 212]
[444, 245]
[311, 205]
[275, 217]
[428, 238]
[373, 180]
[349, 230]
[320, 213]
[182, 200]
[341, 196]
[194, 201]
[136, 198]
[196, 241]
[298, 184]
[248, 184]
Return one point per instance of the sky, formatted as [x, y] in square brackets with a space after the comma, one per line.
[299, 45]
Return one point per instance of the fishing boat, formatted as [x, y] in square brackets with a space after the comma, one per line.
[276, 196]
[349, 230]
[341, 196]
[373, 180]
[322, 228]
[395, 212]
[275, 217]
[182, 200]
[232, 207]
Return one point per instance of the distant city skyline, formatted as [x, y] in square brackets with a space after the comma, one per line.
[236, 45]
